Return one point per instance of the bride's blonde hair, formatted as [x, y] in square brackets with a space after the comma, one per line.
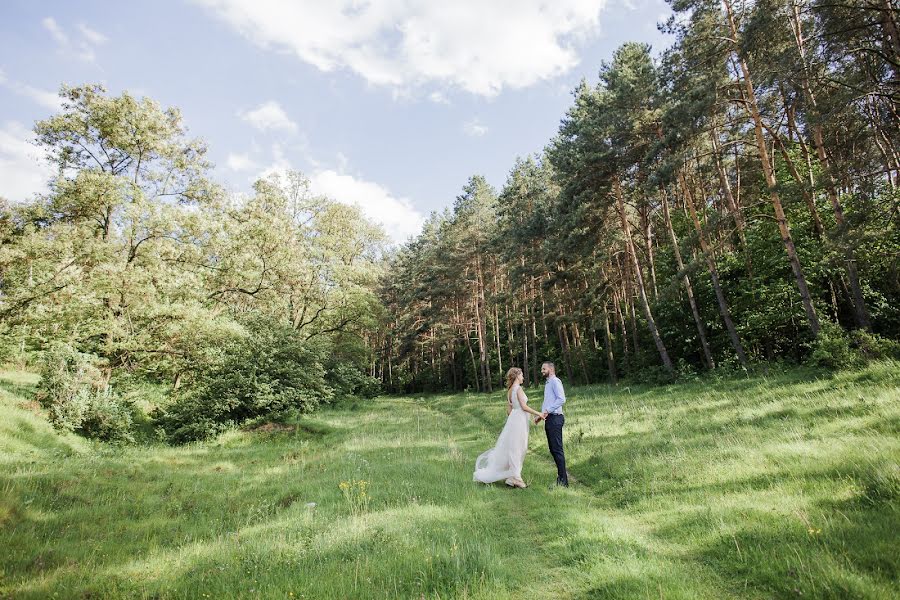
[511, 376]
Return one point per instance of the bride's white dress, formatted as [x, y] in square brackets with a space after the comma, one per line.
[505, 459]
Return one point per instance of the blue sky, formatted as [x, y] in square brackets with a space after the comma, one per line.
[391, 104]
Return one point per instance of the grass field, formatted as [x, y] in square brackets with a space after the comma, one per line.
[781, 486]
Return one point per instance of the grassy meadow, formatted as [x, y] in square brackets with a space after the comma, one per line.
[783, 486]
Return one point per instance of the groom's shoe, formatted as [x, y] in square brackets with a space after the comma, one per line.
[562, 483]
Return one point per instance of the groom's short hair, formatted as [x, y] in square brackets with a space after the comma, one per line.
[549, 364]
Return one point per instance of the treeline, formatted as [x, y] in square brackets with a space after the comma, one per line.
[734, 201]
[138, 267]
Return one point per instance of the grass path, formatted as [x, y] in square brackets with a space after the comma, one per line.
[787, 486]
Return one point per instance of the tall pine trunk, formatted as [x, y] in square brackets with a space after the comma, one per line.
[713, 275]
[481, 327]
[771, 182]
[860, 312]
[629, 247]
[689, 289]
[607, 339]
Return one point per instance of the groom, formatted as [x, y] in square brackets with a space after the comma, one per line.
[551, 412]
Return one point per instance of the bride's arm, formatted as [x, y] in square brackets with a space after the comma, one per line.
[508, 405]
[523, 402]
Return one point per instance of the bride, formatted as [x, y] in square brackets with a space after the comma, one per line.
[504, 460]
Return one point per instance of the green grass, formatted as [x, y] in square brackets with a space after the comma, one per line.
[786, 486]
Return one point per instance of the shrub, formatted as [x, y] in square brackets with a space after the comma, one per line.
[349, 381]
[686, 371]
[75, 393]
[108, 418]
[872, 346]
[836, 348]
[268, 372]
[831, 349]
[652, 375]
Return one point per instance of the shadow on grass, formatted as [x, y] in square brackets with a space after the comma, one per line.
[852, 556]
[24, 390]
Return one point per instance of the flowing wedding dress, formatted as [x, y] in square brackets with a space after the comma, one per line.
[504, 460]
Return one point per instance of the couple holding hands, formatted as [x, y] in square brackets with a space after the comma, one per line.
[504, 460]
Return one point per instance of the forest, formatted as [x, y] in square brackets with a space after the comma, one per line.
[727, 204]
[731, 203]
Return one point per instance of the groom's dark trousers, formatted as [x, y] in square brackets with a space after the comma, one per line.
[553, 427]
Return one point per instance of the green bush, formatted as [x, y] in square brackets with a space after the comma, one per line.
[652, 375]
[872, 346]
[836, 348]
[349, 381]
[108, 418]
[268, 372]
[77, 397]
[832, 348]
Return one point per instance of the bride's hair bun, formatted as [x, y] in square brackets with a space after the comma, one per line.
[511, 376]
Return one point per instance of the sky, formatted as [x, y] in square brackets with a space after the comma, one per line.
[388, 104]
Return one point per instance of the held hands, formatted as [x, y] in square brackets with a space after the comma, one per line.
[540, 417]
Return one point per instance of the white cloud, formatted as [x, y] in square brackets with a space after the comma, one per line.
[397, 215]
[83, 48]
[343, 161]
[279, 164]
[241, 162]
[55, 30]
[438, 98]
[269, 116]
[86, 53]
[475, 128]
[481, 47]
[24, 171]
[49, 100]
[92, 35]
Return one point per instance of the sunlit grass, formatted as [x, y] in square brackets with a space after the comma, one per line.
[749, 488]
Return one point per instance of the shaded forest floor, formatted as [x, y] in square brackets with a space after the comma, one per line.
[781, 486]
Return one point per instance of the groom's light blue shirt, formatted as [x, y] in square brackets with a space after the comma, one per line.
[554, 396]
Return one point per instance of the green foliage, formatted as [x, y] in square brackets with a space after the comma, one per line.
[872, 346]
[139, 259]
[348, 380]
[649, 234]
[78, 398]
[108, 418]
[835, 348]
[268, 372]
[832, 349]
